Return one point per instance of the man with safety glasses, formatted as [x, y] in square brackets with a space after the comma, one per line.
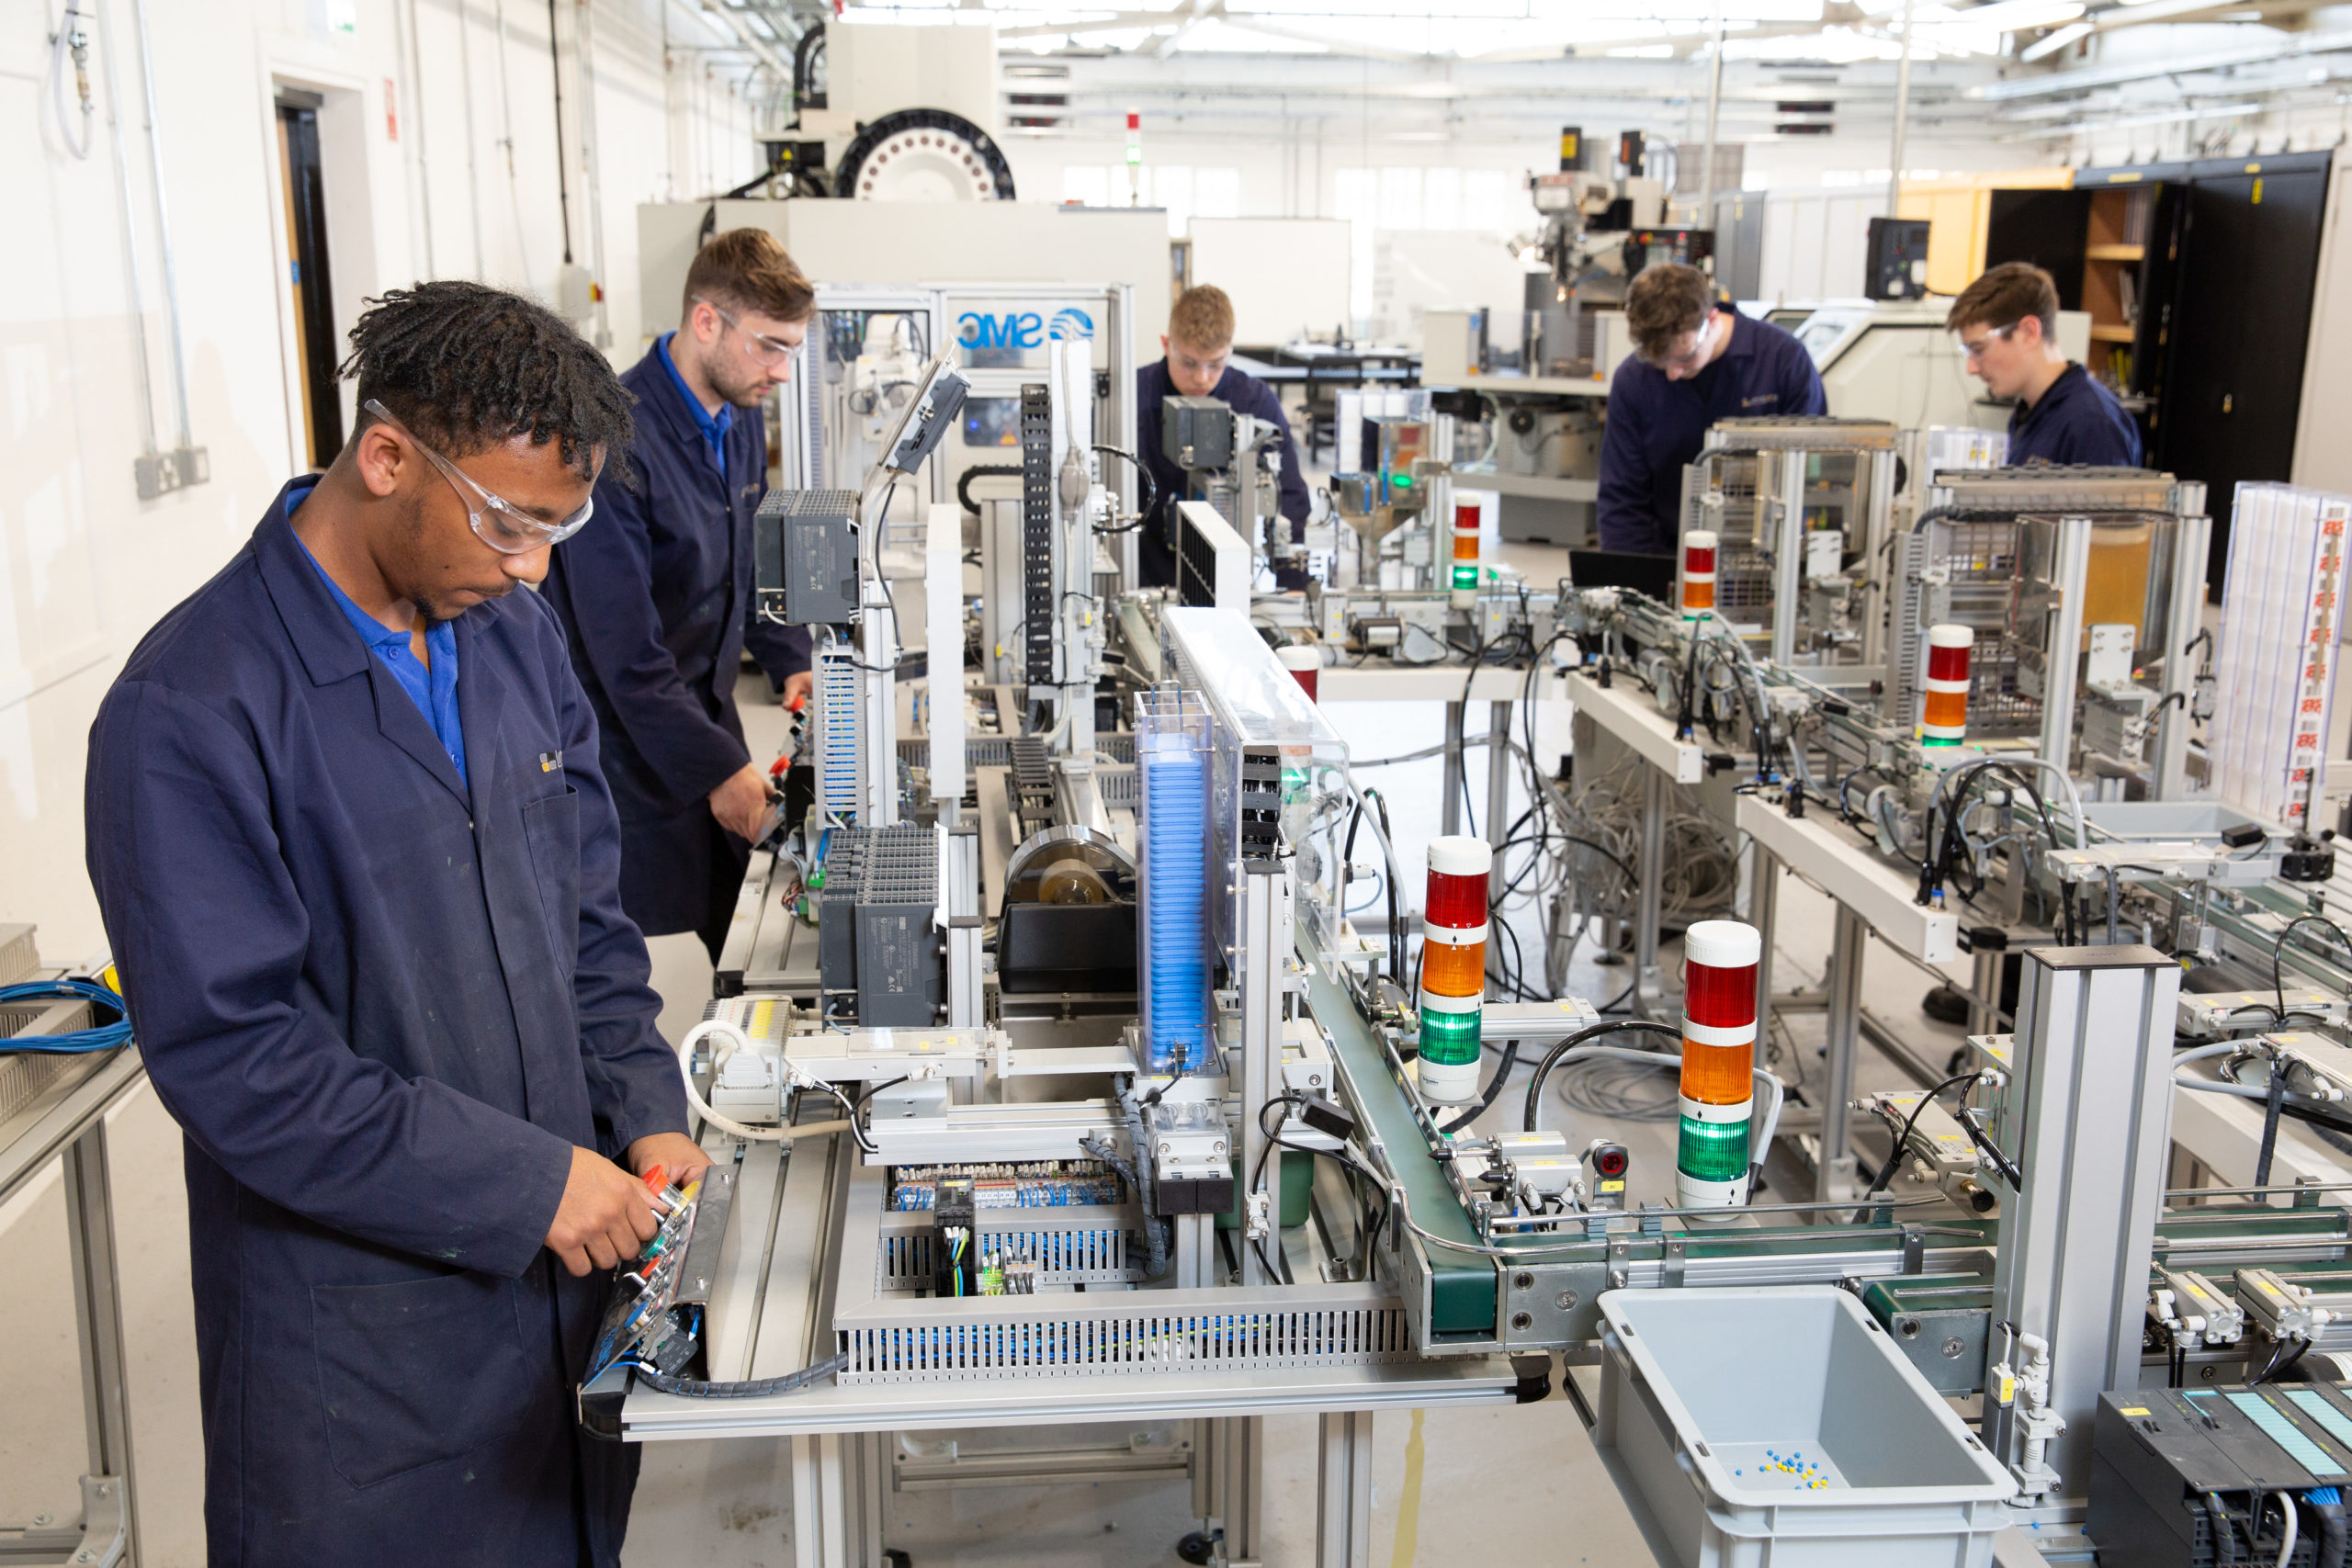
[658, 601]
[360, 872]
[1695, 361]
[2007, 322]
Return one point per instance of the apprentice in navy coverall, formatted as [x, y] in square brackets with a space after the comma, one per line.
[380, 976]
[1655, 426]
[656, 598]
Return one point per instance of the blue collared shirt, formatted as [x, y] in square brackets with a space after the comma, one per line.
[714, 426]
[433, 691]
[2077, 421]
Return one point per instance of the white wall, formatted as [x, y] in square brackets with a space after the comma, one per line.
[85, 567]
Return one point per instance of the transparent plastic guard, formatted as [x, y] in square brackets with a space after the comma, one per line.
[1256, 707]
[1256, 702]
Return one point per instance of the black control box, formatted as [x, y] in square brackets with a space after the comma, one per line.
[1196, 433]
[804, 548]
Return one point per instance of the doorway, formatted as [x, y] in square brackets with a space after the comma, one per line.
[307, 269]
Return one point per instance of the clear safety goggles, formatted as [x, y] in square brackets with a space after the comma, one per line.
[498, 522]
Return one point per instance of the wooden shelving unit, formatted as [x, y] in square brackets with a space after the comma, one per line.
[2115, 254]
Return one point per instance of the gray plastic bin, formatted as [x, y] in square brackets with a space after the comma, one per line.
[1770, 1429]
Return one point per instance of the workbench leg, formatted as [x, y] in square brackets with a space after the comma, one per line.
[106, 1492]
[1499, 790]
[1649, 871]
[1343, 1491]
[1450, 817]
[1764, 913]
[1240, 1494]
[1833, 1177]
[836, 1501]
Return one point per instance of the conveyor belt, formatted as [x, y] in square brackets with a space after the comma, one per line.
[1462, 1284]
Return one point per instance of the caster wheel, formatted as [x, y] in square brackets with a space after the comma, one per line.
[1195, 1548]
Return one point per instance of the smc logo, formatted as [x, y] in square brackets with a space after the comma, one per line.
[1021, 329]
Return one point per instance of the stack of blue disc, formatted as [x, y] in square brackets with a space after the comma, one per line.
[1175, 870]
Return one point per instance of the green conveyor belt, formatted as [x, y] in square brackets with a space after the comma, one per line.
[1462, 1285]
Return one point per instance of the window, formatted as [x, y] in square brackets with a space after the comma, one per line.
[1441, 198]
[1356, 200]
[1491, 199]
[1216, 193]
[1400, 198]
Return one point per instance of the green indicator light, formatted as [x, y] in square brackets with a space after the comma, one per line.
[1711, 1151]
[1450, 1039]
[1936, 740]
[1401, 481]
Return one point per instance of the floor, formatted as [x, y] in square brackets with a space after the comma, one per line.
[727, 1504]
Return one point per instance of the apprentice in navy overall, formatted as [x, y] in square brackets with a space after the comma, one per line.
[658, 599]
[1695, 361]
[2007, 325]
[1196, 354]
[360, 871]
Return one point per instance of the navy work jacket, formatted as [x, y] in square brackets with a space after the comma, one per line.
[383, 1005]
[2077, 421]
[1655, 427]
[1244, 394]
[655, 594]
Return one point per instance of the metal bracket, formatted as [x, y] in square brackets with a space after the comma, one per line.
[1620, 1253]
[1915, 1249]
[1676, 1249]
[100, 1542]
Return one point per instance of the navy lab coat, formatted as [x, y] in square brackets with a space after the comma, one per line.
[655, 595]
[1655, 427]
[2077, 421]
[383, 1007]
[1244, 394]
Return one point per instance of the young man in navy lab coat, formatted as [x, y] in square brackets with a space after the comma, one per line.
[2007, 325]
[1196, 352]
[1695, 362]
[658, 599]
[360, 870]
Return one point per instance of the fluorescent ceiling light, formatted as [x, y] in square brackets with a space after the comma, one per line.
[2051, 43]
[2021, 16]
[2124, 122]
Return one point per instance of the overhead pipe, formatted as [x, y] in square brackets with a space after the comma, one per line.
[149, 467]
[188, 459]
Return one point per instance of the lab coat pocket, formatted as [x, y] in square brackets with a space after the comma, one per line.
[552, 825]
[416, 1371]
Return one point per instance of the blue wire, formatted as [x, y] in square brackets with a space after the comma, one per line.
[104, 1037]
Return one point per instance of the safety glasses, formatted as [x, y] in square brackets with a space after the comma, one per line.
[763, 349]
[499, 523]
[1698, 355]
[1975, 350]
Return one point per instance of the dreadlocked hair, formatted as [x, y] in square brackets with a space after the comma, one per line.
[466, 368]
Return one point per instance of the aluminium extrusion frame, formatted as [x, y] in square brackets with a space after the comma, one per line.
[2086, 1109]
[65, 1121]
